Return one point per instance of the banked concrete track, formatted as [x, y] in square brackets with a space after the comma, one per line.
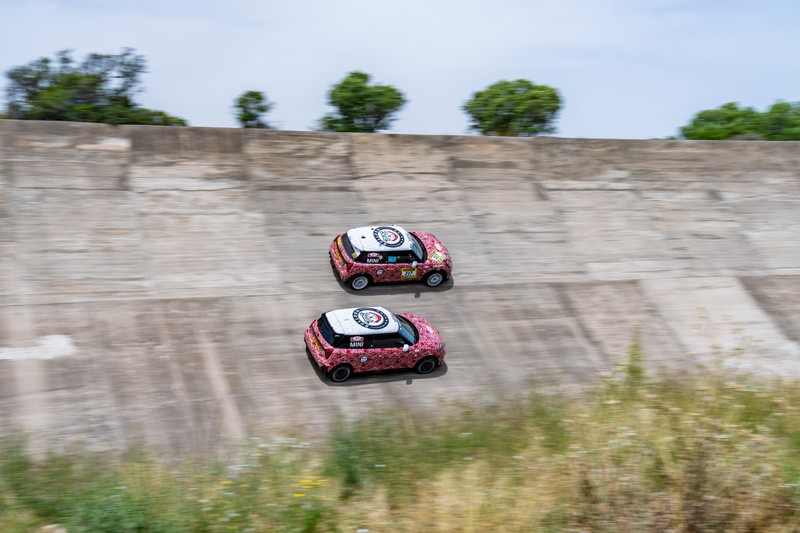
[155, 282]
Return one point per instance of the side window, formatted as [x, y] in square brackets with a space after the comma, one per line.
[391, 340]
[372, 257]
[404, 257]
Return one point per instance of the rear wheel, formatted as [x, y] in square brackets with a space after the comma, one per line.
[426, 365]
[341, 373]
[359, 282]
[434, 279]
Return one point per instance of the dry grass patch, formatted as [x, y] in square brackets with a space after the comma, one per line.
[717, 454]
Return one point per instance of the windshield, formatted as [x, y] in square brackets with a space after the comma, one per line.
[408, 331]
[418, 248]
[352, 251]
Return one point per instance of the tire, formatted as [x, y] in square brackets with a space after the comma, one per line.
[425, 365]
[341, 373]
[359, 282]
[434, 279]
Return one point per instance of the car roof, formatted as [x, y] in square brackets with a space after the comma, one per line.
[362, 321]
[387, 238]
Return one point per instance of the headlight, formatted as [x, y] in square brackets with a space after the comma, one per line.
[441, 346]
[448, 263]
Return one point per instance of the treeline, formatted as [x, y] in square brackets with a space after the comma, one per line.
[99, 89]
[781, 122]
[102, 88]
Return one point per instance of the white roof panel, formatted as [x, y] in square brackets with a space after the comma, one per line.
[363, 321]
[380, 238]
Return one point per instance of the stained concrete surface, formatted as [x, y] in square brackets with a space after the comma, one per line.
[183, 264]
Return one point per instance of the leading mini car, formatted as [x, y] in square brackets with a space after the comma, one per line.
[367, 339]
[378, 254]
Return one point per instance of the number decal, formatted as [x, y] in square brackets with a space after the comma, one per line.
[408, 273]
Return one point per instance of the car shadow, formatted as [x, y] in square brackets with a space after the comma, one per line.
[386, 376]
[399, 287]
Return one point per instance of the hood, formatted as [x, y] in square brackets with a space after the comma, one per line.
[427, 333]
[432, 244]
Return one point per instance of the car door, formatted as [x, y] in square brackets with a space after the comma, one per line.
[401, 267]
[387, 352]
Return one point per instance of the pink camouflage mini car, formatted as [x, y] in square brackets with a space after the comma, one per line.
[367, 339]
[379, 254]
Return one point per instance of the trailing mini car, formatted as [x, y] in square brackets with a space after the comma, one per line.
[368, 339]
[380, 254]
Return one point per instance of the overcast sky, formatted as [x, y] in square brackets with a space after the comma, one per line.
[624, 68]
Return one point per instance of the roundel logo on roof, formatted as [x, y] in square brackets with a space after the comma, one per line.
[370, 318]
[387, 236]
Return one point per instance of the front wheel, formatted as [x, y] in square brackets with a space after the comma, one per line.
[341, 373]
[434, 279]
[359, 282]
[426, 366]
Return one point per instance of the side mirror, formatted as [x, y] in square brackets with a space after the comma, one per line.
[405, 347]
[414, 264]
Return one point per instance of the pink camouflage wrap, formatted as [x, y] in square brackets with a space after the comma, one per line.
[438, 260]
[430, 343]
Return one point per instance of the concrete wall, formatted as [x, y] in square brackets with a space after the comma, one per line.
[155, 282]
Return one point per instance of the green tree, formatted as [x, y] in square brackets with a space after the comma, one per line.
[100, 89]
[361, 107]
[250, 108]
[727, 122]
[514, 108]
[782, 122]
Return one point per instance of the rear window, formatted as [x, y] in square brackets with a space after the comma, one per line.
[331, 337]
[351, 250]
[325, 329]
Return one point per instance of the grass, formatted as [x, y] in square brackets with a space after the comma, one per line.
[633, 454]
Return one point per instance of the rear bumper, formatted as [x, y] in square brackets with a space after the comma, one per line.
[337, 260]
[316, 351]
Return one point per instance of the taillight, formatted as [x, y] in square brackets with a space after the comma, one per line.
[328, 352]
